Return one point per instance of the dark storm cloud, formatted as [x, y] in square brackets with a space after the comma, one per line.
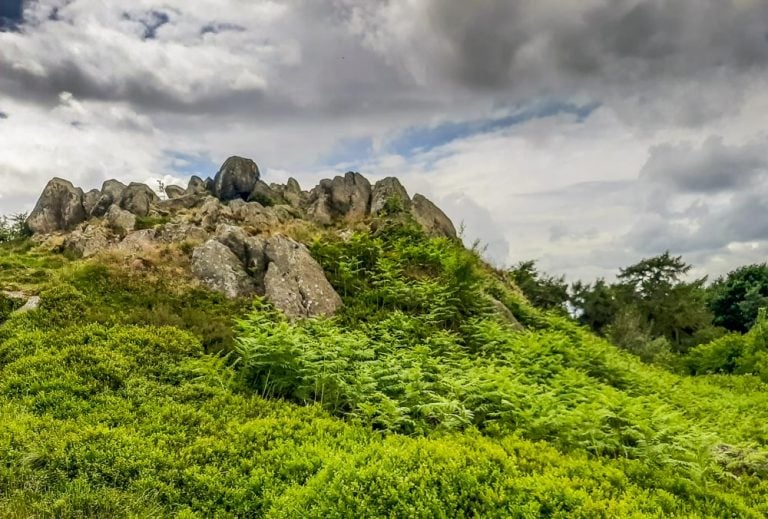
[496, 43]
[713, 167]
[3, 115]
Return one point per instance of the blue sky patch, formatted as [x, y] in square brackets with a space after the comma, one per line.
[186, 165]
[422, 139]
[10, 14]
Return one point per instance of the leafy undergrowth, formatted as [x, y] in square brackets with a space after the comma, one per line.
[417, 400]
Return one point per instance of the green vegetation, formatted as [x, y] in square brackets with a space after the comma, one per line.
[736, 298]
[150, 222]
[133, 393]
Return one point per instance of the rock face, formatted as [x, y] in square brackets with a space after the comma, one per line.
[295, 282]
[431, 218]
[220, 270]
[138, 199]
[90, 199]
[174, 192]
[196, 186]
[60, 208]
[236, 179]
[347, 197]
[120, 220]
[87, 243]
[389, 191]
[265, 195]
[111, 193]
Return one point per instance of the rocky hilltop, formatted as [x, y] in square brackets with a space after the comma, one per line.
[232, 223]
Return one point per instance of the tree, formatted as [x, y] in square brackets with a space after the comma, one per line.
[736, 299]
[13, 227]
[548, 292]
[596, 305]
[674, 308]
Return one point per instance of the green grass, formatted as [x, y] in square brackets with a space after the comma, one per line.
[135, 394]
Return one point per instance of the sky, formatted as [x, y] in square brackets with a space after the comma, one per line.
[585, 135]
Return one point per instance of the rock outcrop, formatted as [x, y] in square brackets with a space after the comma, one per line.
[111, 193]
[295, 283]
[221, 270]
[343, 198]
[236, 179]
[138, 199]
[231, 224]
[389, 192]
[60, 208]
[174, 191]
[120, 220]
[431, 218]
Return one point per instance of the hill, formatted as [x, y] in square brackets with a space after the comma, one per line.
[418, 383]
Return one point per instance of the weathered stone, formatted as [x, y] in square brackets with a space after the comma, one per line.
[265, 195]
[213, 212]
[234, 238]
[87, 243]
[389, 191]
[178, 232]
[138, 199]
[90, 199]
[120, 220]
[111, 193]
[236, 179]
[174, 191]
[220, 269]
[347, 197]
[138, 242]
[431, 218]
[295, 283]
[253, 215]
[505, 314]
[174, 205]
[60, 208]
[196, 186]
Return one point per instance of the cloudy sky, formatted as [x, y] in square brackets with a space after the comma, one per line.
[586, 134]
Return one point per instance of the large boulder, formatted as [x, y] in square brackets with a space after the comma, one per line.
[253, 215]
[174, 191]
[236, 179]
[138, 199]
[138, 242]
[389, 193]
[120, 220]
[431, 218]
[179, 203]
[221, 270]
[60, 208]
[111, 193]
[295, 283]
[347, 197]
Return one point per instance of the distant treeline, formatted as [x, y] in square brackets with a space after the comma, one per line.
[656, 312]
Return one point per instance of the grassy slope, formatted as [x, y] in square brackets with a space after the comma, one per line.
[414, 402]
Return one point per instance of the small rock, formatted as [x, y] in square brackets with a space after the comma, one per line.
[138, 242]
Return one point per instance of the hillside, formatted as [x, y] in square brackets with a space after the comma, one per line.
[250, 350]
